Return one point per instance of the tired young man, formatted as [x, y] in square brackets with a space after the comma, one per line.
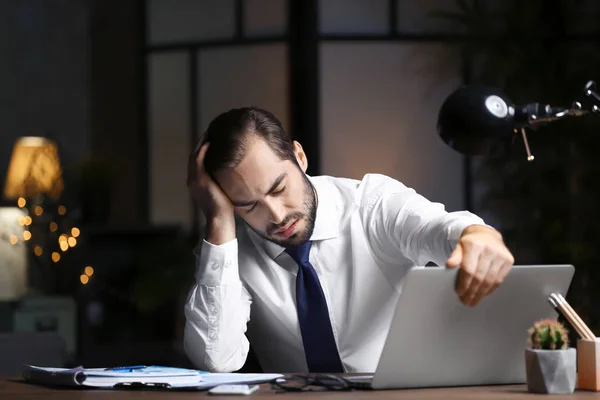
[309, 269]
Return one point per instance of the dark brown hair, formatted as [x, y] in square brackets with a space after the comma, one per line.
[230, 132]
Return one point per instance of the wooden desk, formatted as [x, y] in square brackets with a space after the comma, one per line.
[16, 389]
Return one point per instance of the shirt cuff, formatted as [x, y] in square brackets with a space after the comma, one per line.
[457, 226]
[217, 265]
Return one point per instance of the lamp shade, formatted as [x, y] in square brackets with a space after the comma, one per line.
[476, 120]
[34, 169]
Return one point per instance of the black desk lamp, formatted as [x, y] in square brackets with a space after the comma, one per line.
[476, 120]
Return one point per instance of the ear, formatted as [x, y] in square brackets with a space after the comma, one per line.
[300, 156]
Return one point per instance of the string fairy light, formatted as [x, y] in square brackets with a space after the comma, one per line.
[65, 240]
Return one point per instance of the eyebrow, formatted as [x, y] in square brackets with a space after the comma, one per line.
[273, 187]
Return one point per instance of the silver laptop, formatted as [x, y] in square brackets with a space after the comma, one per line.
[436, 341]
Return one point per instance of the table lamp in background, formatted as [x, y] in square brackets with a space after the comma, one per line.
[33, 172]
[35, 182]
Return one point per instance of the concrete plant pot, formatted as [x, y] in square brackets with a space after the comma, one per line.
[551, 371]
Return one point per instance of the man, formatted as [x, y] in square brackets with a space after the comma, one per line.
[309, 269]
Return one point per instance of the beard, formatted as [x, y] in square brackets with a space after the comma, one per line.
[308, 214]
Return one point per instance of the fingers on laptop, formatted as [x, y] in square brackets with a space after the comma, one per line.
[483, 269]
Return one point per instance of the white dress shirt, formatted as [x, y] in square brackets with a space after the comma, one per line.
[367, 234]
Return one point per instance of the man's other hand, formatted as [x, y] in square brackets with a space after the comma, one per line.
[484, 260]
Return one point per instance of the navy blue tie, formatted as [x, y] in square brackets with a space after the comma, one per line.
[313, 315]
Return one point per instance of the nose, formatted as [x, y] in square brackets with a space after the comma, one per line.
[276, 211]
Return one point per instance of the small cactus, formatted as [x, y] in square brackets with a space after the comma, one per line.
[548, 334]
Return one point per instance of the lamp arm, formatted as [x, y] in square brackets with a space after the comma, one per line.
[538, 115]
[554, 114]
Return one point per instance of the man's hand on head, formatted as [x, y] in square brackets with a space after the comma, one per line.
[214, 203]
[484, 260]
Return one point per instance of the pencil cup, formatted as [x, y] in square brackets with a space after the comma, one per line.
[588, 364]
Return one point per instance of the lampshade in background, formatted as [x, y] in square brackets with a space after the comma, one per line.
[34, 169]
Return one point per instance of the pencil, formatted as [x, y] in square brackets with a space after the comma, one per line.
[590, 334]
[572, 317]
[567, 316]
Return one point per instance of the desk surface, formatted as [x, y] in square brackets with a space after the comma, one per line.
[13, 389]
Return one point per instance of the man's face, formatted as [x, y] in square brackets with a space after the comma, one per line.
[271, 195]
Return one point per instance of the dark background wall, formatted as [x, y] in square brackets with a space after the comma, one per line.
[45, 75]
[117, 93]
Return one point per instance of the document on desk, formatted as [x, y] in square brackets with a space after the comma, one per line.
[109, 377]
[215, 379]
[138, 377]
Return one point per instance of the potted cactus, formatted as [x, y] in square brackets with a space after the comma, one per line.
[550, 364]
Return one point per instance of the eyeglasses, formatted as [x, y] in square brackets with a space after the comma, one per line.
[310, 383]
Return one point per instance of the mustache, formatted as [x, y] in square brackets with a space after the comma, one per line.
[272, 228]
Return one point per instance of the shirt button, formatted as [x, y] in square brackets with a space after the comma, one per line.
[214, 323]
[227, 263]
[215, 265]
[213, 335]
[213, 310]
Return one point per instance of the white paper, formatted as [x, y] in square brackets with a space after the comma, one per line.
[142, 373]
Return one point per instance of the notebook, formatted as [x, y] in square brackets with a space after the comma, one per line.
[109, 377]
[137, 377]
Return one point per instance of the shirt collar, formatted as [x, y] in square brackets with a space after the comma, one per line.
[326, 220]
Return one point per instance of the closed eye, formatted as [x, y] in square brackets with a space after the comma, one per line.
[279, 191]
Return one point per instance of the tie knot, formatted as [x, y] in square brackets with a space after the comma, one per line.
[300, 253]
